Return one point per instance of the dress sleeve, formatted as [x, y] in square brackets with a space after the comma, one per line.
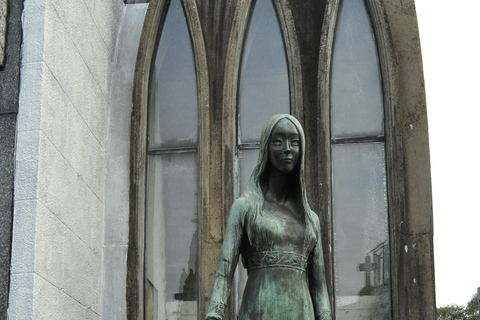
[317, 280]
[228, 261]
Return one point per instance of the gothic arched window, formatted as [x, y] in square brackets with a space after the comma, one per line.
[359, 177]
[209, 75]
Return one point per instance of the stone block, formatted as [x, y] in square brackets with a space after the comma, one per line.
[26, 166]
[114, 278]
[86, 155]
[21, 296]
[69, 69]
[135, 1]
[81, 272]
[53, 303]
[117, 204]
[416, 279]
[63, 191]
[30, 99]
[56, 113]
[107, 16]
[23, 237]
[85, 34]
[49, 241]
[118, 143]
[68, 132]
[33, 35]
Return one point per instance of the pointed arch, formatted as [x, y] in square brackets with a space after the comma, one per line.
[292, 49]
[242, 17]
[152, 29]
[393, 148]
[323, 136]
[393, 134]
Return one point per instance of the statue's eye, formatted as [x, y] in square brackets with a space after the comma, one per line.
[277, 143]
[295, 143]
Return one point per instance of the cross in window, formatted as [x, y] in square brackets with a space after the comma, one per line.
[367, 267]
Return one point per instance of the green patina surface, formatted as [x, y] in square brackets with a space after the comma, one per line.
[279, 240]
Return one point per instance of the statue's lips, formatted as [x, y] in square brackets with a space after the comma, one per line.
[287, 160]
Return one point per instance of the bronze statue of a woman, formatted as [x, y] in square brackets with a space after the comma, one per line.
[272, 226]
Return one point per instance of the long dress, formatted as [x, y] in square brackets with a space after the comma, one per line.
[285, 267]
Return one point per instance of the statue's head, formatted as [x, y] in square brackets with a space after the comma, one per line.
[282, 137]
[272, 153]
[280, 129]
[284, 146]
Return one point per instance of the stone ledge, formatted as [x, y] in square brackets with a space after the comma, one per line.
[135, 1]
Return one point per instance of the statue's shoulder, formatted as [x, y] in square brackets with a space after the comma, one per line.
[242, 204]
[315, 220]
[240, 208]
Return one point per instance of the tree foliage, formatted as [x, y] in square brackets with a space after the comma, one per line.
[456, 312]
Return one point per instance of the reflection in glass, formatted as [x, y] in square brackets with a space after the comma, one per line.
[173, 93]
[171, 229]
[247, 161]
[360, 219]
[264, 86]
[356, 88]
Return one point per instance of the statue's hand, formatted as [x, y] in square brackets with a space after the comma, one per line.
[324, 315]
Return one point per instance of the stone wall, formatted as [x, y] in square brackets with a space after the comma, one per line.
[117, 205]
[57, 250]
[10, 13]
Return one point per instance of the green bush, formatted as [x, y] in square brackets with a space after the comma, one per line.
[456, 312]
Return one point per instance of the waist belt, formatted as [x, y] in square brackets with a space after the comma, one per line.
[277, 259]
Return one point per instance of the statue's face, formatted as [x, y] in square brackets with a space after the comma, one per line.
[284, 146]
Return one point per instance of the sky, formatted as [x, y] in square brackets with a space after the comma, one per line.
[450, 40]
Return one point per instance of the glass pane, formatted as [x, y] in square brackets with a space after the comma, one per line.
[173, 91]
[171, 237]
[356, 89]
[264, 88]
[360, 218]
[247, 161]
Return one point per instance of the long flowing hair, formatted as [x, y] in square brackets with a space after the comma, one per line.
[254, 194]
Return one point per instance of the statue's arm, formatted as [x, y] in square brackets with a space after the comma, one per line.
[317, 280]
[228, 261]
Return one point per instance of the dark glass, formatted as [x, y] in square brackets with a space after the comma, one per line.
[360, 219]
[264, 86]
[173, 116]
[356, 83]
[171, 234]
[247, 160]
[171, 224]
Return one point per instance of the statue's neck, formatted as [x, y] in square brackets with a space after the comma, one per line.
[277, 186]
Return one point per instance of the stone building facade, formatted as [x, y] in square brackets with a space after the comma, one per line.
[74, 153]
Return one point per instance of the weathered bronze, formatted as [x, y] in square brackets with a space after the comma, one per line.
[272, 226]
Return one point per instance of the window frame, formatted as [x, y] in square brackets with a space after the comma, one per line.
[152, 29]
[404, 98]
[392, 136]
